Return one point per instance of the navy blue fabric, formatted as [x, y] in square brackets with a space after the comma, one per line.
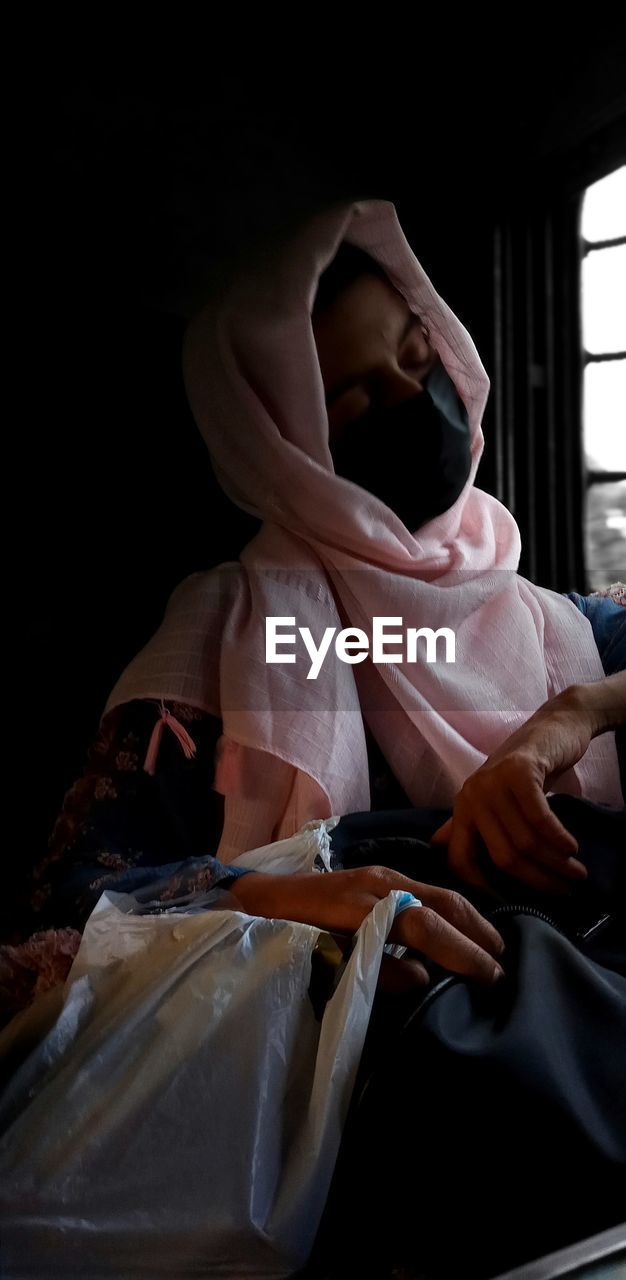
[608, 623]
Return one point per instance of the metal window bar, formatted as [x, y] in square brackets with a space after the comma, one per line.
[590, 246]
[566, 225]
[605, 477]
[593, 477]
[536, 446]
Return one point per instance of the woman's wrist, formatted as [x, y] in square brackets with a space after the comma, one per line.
[257, 893]
[601, 705]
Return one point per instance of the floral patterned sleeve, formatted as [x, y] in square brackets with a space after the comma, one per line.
[125, 829]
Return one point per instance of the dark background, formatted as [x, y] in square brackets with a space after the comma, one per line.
[144, 181]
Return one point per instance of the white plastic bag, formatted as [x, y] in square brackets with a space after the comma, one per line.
[183, 1115]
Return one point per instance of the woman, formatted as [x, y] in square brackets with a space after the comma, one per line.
[341, 401]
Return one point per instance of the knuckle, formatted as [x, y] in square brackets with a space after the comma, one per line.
[481, 964]
[519, 761]
[526, 771]
[458, 906]
[378, 877]
[430, 921]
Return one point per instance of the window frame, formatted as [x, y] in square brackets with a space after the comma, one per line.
[592, 476]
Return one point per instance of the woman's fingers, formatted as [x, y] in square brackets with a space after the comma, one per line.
[424, 930]
[446, 929]
[544, 822]
[507, 858]
[538, 863]
[464, 917]
[504, 801]
[442, 834]
[462, 853]
[399, 975]
[530, 842]
[539, 878]
[453, 907]
[521, 834]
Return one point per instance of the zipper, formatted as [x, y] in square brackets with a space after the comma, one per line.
[512, 909]
[451, 979]
[524, 909]
[583, 934]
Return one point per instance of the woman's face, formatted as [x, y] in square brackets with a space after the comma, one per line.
[372, 351]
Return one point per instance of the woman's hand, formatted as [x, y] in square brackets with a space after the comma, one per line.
[504, 801]
[446, 929]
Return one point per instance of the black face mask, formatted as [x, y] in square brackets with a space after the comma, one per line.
[414, 456]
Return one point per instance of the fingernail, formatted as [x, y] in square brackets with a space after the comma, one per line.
[577, 868]
[497, 973]
[500, 948]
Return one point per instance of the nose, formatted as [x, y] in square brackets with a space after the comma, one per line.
[395, 385]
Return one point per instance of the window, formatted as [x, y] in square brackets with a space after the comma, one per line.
[603, 232]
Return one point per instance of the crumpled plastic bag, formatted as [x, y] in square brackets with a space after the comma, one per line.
[183, 1115]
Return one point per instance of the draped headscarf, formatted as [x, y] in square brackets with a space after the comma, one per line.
[330, 554]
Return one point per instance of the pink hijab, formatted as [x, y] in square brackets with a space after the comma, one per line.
[330, 554]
